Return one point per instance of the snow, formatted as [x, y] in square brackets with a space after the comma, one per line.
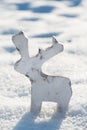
[67, 20]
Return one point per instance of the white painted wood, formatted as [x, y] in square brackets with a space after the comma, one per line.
[44, 87]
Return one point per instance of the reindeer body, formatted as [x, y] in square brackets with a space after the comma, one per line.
[44, 87]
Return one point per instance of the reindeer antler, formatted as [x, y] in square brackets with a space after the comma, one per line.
[44, 55]
[51, 51]
[21, 43]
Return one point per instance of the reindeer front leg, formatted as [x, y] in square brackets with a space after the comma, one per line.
[36, 100]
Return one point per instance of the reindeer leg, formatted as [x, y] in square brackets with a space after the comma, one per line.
[35, 106]
[35, 103]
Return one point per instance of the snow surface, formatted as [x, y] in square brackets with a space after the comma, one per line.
[65, 19]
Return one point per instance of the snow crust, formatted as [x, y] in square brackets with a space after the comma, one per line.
[65, 19]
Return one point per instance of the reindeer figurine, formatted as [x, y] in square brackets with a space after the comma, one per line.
[44, 88]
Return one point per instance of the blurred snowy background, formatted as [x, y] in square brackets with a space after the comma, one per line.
[40, 20]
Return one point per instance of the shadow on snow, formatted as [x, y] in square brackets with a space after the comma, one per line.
[73, 3]
[46, 35]
[10, 49]
[33, 19]
[28, 122]
[23, 6]
[69, 15]
[42, 9]
[9, 32]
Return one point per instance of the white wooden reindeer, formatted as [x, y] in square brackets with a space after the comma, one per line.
[44, 88]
